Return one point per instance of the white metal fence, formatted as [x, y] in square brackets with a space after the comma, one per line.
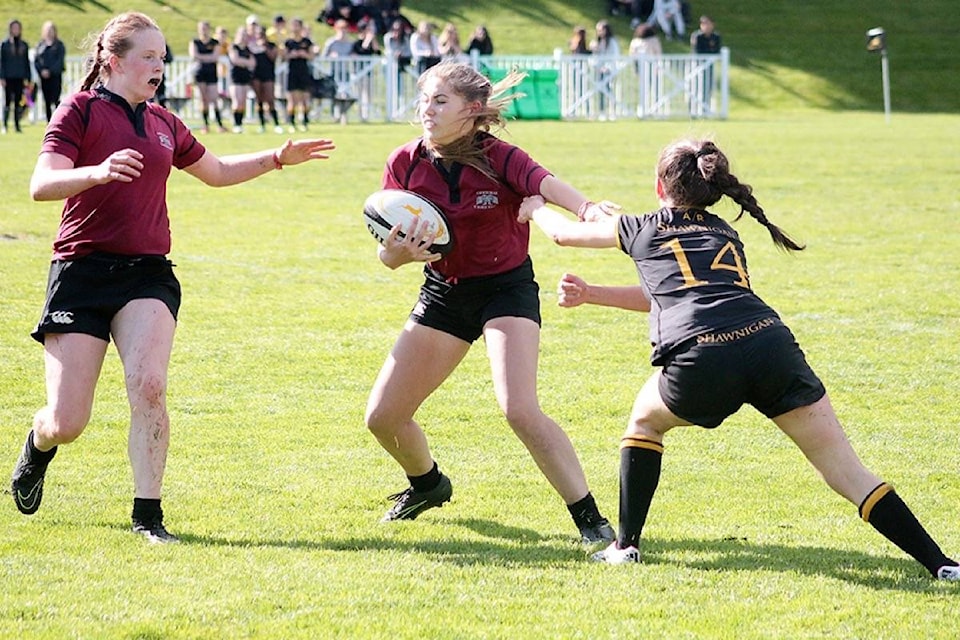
[376, 89]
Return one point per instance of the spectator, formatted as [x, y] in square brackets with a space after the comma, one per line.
[705, 41]
[242, 64]
[161, 96]
[645, 42]
[578, 42]
[340, 44]
[278, 33]
[223, 60]
[264, 77]
[49, 61]
[669, 15]
[355, 14]
[390, 13]
[205, 53]
[396, 46]
[646, 48]
[640, 11]
[367, 45]
[424, 46]
[14, 73]
[449, 43]
[480, 42]
[298, 50]
[605, 48]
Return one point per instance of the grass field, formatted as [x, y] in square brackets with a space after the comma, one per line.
[276, 488]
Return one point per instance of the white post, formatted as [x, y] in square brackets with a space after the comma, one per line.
[885, 71]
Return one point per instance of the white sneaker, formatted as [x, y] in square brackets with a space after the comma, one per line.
[614, 555]
[278, 129]
[238, 129]
[949, 573]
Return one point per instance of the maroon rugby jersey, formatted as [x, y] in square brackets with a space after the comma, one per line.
[128, 218]
[482, 212]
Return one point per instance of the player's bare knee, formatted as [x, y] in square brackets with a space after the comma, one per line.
[60, 427]
[147, 389]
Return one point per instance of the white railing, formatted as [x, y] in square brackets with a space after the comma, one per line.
[375, 89]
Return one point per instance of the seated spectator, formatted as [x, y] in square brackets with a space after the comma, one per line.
[449, 43]
[480, 42]
[355, 15]
[390, 13]
[669, 15]
[424, 46]
[640, 11]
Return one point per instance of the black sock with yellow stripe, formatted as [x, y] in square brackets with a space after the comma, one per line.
[889, 515]
[640, 461]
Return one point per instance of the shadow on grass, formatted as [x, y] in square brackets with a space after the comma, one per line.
[508, 546]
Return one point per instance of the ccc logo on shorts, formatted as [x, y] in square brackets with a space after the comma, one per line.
[61, 317]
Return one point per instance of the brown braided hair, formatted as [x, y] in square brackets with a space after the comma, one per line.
[116, 38]
[695, 173]
[473, 86]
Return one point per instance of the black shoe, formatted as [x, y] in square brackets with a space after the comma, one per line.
[410, 503]
[155, 532]
[598, 532]
[26, 485]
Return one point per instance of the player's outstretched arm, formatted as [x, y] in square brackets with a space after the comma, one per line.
[572, 291]
[599, 234]
[234, 169]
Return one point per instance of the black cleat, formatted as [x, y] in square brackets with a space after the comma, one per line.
[155, 532]
[26, 485]
[598, 532]
[410, 503]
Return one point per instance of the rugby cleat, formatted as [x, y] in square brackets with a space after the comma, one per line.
[615, 555]
[26, 485]
[949, 572]
[598, 532]
[411, 503]
[155, 532]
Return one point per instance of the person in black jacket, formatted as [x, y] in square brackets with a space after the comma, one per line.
[49, 61]
[14, 73]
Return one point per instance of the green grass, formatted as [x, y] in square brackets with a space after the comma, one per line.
[786, 55]
[276, 488]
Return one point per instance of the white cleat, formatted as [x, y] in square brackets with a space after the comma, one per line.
[614, 555]
[948, 572]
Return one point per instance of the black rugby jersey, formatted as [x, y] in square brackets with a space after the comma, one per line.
[693, 269]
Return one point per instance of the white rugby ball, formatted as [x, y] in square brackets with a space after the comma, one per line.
[387, 208]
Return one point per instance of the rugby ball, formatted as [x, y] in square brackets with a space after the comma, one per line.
[387, 208]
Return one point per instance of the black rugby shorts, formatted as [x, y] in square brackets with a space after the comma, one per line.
[464, 307]
[84, 294]
[706, 382]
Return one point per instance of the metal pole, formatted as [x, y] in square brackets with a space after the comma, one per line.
[885, 71]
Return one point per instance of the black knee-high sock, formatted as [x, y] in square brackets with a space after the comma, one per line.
[238, 118]
[275, 116]
[585, 512]
[887, 513]
[216, 113]
[263, 117]
[427, 481]
[640, 461]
